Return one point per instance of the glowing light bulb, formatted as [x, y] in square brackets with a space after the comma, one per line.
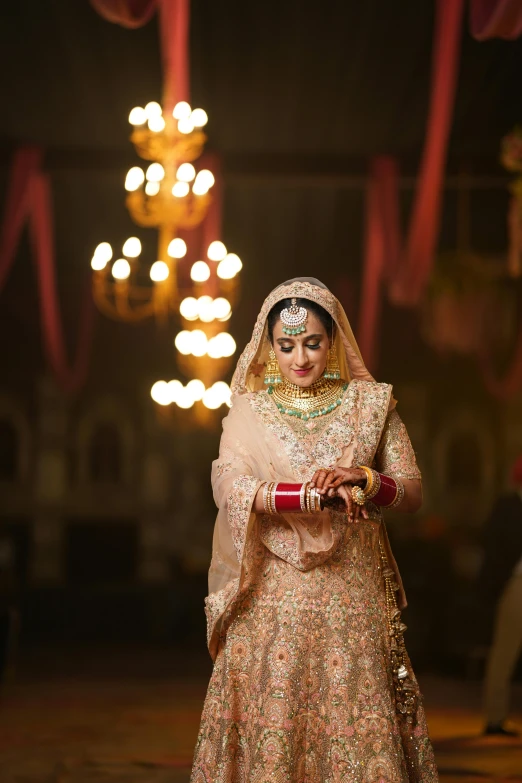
[97, 263]
[181, 189]
[138, 116]
[207, 177]
[121, 269]
[198, 342]
[211, 399]
[200, 272]
[155, 172]
[189, 308]
[159, 271]
[223, 344]
[199, 189]
[229, 266]
[222, 391]
[216, 251]
[160, 393]
[221, 309]
[132, 247]
[199, 118]
[182, 110]
[184, 398]
[214, 348]
[101, 256]
[204, 181]
[152, 188]
[156, 124]
[174, 388]
[196, 389]
[177, 248]
[185, 125]
[152, 109]
[186, 172]
[183, 342]
[135, 177]
[205, 309]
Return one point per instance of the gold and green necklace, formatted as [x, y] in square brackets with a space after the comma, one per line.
[322, 397]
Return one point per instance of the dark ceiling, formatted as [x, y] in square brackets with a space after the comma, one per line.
[291, 87]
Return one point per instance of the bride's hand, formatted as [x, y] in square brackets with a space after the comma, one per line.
[338, 482]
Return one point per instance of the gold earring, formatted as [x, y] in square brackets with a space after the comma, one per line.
[272, 372]
[332, 369]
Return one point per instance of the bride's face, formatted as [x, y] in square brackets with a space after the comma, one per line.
[302, 357]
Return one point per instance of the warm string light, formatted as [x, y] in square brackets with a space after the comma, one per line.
[173, 392]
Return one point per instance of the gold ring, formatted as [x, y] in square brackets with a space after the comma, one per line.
[358, 495]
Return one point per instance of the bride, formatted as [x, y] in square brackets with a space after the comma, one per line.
[311, 680]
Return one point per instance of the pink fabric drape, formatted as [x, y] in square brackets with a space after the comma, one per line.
[408, 269]
[174, 31]
[174, 17]
[495, 19]
[25, 162]
[71, 378]
[28, 198]
[127, 13]
[502, 19]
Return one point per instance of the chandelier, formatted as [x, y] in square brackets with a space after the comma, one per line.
[190, 278]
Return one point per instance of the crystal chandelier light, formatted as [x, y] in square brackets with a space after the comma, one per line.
[173, 194]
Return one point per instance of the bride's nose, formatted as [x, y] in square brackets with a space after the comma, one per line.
[301, 358]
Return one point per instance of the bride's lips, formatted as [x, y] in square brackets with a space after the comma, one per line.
[302, 373]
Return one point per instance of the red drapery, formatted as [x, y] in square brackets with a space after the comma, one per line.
[408, 270]
[174, 16]
[495, 19]
[501, 19]
[29, 198]
[127, 13]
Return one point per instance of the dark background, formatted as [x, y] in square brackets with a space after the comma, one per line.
[300, 97]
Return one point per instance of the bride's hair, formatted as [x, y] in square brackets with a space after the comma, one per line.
[312, 307]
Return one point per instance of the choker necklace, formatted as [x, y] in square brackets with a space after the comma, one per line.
[322, 397]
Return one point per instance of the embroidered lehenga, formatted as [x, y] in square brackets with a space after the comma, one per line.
[303, 688]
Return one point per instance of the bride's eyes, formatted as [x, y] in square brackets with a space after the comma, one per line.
[313, 347]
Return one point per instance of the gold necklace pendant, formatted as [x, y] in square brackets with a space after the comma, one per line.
[322, 397]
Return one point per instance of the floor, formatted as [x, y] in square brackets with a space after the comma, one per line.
[100, 719]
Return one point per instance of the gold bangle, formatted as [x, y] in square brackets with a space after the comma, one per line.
[315, 501]
[302, 496]
[369, 479]
[272, 497]
[265, 494]
[399, 495]
[269, 497]
[308, 498]
[373, 482]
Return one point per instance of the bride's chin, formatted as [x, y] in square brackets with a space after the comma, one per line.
[304, 381]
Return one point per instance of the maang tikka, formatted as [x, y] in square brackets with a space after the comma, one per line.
[294, 318]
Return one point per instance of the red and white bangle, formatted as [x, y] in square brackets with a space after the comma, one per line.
[285, 498]
[381, 489]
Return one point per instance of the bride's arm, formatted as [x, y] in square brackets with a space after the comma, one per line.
[395, 457]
